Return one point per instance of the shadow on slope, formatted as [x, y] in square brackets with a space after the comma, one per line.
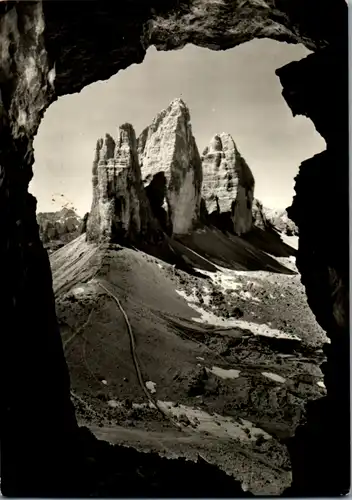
[269, 241]
[226, 250]
[203, 249]
[125, 472]
[92, 468]
[119, 471]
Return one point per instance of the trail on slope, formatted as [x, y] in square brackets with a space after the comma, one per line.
[152, 400]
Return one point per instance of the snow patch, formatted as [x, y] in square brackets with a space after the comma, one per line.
[114, 404]
[151, 386]
[255, 328]
[247, 296]
[183, 295]
[215, 424]
[222, 373]
[206, 295]
[292, 241]
[321, 384]
[274, 376]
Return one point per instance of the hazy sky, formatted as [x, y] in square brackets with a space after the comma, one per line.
[234, 91]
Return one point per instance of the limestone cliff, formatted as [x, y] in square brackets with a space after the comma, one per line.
[120, 208]
[281, 222]
[228, 183]
[265, 218]
[168, 146]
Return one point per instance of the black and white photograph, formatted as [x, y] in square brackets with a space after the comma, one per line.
[174, 248]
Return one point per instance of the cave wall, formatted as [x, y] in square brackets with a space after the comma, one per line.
[55, 48]
[317, 87]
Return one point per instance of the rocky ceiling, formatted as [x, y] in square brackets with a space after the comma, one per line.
[52, 48]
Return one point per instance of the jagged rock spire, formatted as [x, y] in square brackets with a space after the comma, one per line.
[228, 183]
[168, 146]
[120, 209]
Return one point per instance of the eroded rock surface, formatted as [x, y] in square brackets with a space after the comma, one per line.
[258, 214]
[228, 183]
[265, 218]
[120, 208]
[168, 146]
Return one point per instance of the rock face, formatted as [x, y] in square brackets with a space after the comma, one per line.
[281, 222]
[271, 218]
[120, 208]
[316, 87]
[168, 146]
[258, 214]
[58, 228]
[228, 183]
[84, 223]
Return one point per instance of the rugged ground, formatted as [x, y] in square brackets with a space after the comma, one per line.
[217, 364]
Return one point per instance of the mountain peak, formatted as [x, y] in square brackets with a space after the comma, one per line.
[228, 183]
[178, 102]
[168, 146]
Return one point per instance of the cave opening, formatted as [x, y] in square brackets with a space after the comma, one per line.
[234, 91]
[251, 110]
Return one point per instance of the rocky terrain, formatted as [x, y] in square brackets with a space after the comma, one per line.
[58, 228]
[185, 336]
[266, 218]
[221, 363]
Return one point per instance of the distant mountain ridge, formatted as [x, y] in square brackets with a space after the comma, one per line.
[58, 228]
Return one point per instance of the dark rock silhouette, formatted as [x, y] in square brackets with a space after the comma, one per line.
[84, 223]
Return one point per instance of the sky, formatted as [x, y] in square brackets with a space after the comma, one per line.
[234, 91]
